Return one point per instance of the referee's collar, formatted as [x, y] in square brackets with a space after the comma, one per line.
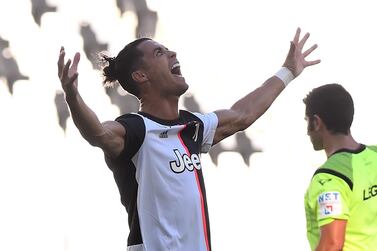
[355, 151]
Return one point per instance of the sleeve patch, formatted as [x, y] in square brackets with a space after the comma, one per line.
[330, 204]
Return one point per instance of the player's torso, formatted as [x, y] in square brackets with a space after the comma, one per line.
[171, 191]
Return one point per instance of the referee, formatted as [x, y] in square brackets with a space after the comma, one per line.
[341, 201]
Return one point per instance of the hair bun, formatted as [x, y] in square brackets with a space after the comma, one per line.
[109, 71]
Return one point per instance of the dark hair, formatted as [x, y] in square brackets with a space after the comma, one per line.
[120, 68]
[333, 104]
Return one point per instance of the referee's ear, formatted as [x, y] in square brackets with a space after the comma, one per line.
[317, 123]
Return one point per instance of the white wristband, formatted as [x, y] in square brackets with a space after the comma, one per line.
[285, 75]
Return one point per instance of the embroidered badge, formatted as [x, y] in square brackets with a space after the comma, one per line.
[330, 204]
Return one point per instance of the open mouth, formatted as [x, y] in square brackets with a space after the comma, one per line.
[176, 69]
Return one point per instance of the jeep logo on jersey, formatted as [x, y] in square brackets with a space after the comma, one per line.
[184, 161]
[370, 192]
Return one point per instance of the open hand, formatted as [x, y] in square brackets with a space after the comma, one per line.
[68, 74]
[295, 60]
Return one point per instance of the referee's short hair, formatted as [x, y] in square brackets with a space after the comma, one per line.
[333, 104]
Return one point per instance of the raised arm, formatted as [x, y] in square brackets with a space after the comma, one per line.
[109, 136]
[249, 108]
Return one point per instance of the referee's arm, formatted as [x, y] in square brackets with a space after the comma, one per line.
[332, 236]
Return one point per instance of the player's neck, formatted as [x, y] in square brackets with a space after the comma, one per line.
[166, 109]
[337, 142]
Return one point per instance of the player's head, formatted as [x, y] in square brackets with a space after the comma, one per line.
[120, 68]
[145, 66]
[328, 108]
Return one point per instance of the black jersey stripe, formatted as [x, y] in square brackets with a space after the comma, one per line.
[124, 172]
[190, 147]
[204, 211]
[336, 173]
[202, 188]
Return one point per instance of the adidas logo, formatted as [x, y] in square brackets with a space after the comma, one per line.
[164, 135]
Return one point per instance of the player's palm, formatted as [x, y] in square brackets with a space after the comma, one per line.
[68, 73]
[295, 60]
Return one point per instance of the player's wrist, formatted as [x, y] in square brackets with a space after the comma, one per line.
[285, 75]
[71, 97]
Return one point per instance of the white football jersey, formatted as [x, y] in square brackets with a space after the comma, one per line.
[159, 176]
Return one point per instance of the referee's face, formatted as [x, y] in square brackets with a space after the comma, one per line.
[314, 134]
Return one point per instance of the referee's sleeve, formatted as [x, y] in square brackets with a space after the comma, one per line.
[331, 198]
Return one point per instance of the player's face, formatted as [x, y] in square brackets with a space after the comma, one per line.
[315, 136]
[162, 69]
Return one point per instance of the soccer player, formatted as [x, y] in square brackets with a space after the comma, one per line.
[155, 154]
[341, 201]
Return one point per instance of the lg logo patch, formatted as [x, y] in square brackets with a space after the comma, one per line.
[184, 161]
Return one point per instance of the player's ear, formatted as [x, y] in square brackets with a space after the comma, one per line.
[139, 76]
[317, 123]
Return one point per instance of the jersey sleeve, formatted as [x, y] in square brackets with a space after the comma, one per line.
[210, 122]
[135, 133]
[329, 196]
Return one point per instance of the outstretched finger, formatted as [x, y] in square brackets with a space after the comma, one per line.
[65, 70]
[292, 49]
[76, 60]
[309, 63]
[61, 61]
[297, 36]
[303, 40]
[310, 50]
